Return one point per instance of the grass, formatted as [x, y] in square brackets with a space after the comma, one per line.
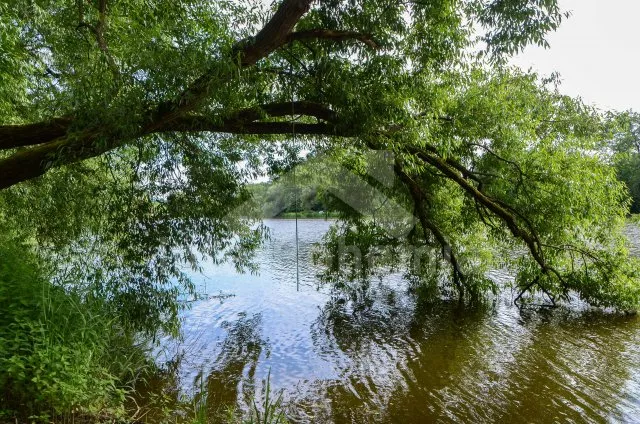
[63, 356]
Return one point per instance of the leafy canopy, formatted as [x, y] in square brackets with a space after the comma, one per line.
[129, 130]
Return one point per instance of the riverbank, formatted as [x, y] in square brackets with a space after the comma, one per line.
[308, 215]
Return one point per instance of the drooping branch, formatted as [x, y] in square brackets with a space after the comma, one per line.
[525, 289]
[457, 173]
[516, 166]
[507, 217]
[419, 199]
[506, 214]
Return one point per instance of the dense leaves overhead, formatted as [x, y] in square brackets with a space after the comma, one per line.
[129, 129]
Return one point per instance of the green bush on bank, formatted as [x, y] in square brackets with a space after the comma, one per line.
[60, 353]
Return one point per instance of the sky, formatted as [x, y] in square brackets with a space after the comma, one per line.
[596, 51]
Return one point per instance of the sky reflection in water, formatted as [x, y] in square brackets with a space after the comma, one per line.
[390, 357]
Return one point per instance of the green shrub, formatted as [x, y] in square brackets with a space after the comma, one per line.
[61, 353]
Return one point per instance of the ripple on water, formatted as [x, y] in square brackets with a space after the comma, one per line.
[390, 357]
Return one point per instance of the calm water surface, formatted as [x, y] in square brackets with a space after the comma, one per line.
[390, 357]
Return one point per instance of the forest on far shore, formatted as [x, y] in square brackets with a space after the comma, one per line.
[310, 196]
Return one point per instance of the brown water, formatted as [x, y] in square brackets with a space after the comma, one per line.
[389, 356]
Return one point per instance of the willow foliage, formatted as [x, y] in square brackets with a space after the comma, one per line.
[129, 129]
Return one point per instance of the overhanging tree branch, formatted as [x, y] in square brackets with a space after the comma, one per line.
[12, 136]
[27, 164]
[499, 209]
[419, 200]
[197, 124]
[300, 107]
[58, 151]
[272, 36]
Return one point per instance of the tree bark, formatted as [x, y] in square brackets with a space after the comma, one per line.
[12, 136]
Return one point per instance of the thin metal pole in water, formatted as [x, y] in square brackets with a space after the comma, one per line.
[295, 185]
[297, 249]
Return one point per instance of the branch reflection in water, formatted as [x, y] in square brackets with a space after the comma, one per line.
[387, 351]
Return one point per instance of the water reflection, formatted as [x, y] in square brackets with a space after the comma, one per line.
[384, 353]
[486, 364]
[233, 372]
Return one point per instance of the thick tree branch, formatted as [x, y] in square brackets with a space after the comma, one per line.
[300, 107]
[12, 136]
[249, 52]
[245, 121]
[275, 32]
[27, 164]
[53, 151]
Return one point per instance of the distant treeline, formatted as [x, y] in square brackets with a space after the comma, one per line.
[626, 156]
[274, 200]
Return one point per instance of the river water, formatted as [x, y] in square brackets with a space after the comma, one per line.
[391, 357]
